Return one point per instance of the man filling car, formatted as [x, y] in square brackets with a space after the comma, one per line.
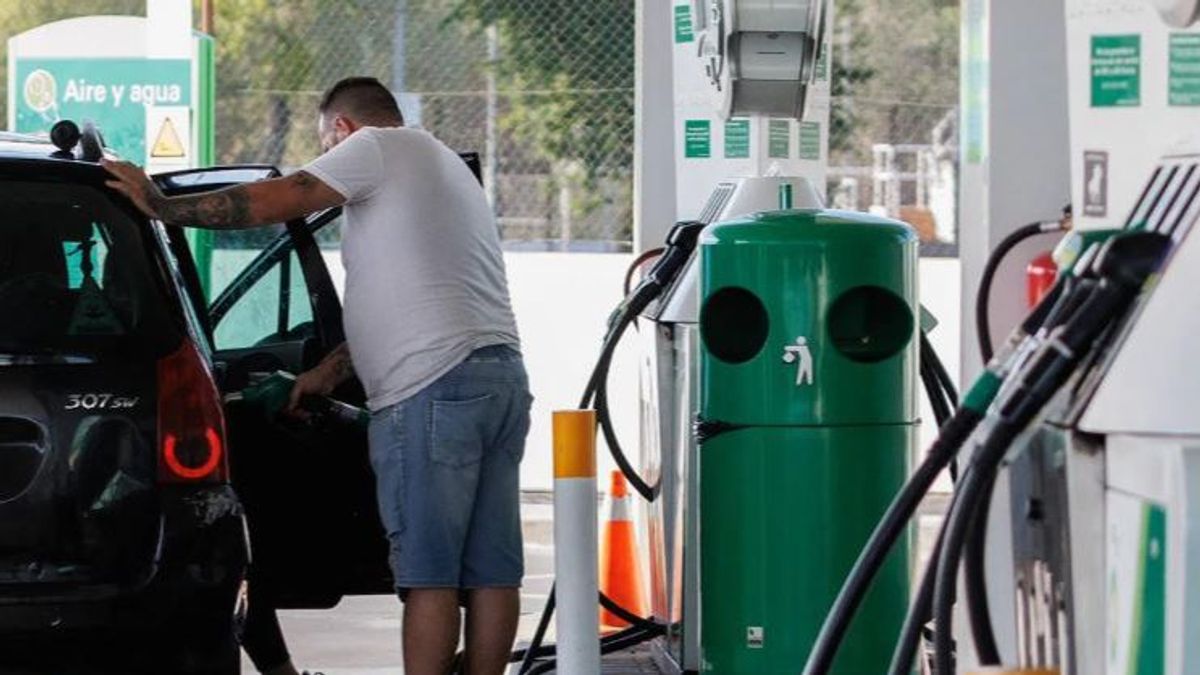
[431, 334]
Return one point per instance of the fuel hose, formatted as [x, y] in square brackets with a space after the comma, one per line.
[952, 436]
[671, 260]
[1123, 266]
[984, 296]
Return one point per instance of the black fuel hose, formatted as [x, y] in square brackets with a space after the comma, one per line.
[889, 529]
[629, 637]
[1062, 301]
[937, 399]
[680, 244]
[1059, 302]
[979, 614]
[1124, 265]
[984, 296]
[638, 625]
[917, 617]
[642, 259]
[530, 653]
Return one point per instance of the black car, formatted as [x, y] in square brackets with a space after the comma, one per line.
[127, 467]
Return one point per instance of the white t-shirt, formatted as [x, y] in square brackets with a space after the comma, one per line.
[425, 278]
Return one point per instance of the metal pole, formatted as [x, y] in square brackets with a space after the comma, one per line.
[207, 14]
[491, 160]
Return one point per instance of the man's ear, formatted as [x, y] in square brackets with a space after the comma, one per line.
[345, 125]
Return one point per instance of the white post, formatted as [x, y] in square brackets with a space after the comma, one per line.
[575, 542]
[169, 29]
[1016, 169]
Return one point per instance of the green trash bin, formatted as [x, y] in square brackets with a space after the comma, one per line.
[808, 420]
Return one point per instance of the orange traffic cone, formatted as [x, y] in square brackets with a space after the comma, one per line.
[620, 576]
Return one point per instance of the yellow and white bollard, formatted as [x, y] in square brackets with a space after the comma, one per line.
[575, 565]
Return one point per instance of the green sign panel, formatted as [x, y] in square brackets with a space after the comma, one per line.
[1116, 71]
[737, 139]
[697, 139]
[684, 31]
[810, 140]
[113, 92]
[1184, 86]
[779, 139]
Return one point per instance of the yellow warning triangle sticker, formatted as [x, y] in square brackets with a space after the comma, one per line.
[167, 144]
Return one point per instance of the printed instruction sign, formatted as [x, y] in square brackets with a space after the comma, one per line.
[1116, 71]
[737, 139]
[115, 91]
[1095, 184]
[684, 29]
[779, 139]
[697, 139]
[810, 141]
[1184, 84]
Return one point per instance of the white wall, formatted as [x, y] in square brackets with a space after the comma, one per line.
[563, 301]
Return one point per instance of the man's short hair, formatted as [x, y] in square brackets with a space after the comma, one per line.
[363, 99]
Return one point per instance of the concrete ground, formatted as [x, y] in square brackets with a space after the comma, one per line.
[361, 636]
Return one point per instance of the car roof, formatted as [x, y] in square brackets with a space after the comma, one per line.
[29, 146]
[25, 146]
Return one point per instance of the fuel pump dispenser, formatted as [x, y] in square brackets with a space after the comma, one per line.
[1070, 543]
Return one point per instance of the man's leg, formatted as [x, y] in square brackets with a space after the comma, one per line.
[431, 627]
[425, 502]
[492, 615]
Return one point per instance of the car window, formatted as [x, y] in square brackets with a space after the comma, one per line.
[74, 274]
[232, 251]
[275, 308]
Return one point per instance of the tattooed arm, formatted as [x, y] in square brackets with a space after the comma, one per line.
[242, 206]
[338, 364]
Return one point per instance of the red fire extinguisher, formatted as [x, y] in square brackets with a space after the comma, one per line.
[1040, 275]
[1042, 271]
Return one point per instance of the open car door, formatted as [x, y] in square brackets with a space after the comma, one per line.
[307, 486]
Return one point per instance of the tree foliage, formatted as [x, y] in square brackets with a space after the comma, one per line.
[895, 72]
[18, 16]
[569, 66]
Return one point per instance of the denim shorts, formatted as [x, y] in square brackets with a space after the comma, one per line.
[447, 469]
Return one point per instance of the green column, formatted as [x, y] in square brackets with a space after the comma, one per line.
[808, 378]
[201, 241]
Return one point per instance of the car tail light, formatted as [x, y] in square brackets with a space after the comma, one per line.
[191, 423]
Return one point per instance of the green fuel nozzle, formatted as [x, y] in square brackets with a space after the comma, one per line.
[272, 393]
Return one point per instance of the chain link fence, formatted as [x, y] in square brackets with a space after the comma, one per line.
[544, 90]
[895, 128]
